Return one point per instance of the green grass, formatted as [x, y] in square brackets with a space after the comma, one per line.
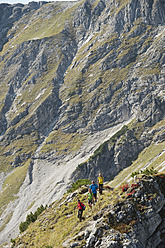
[43, 25]
[49, 229]
[11, 185]
[62, 142]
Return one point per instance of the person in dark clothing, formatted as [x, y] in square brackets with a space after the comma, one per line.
[81, 208]
[90, 198]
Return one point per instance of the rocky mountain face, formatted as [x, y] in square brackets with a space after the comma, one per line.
[82, 91]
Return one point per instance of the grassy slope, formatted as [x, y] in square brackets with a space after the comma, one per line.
[12, 185]
[59, 222]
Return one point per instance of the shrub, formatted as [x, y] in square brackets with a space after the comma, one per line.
[78, 184]
[12, 241]
[134, 174]
[31, 218]
[134, 185]
[147, 171]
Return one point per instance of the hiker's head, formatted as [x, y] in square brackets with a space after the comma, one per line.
[93, 182]
[100, 175]
[78, 200]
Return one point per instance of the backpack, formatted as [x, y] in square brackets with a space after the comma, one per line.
[83, 207]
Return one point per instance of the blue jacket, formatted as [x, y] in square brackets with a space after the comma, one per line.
[94, 187]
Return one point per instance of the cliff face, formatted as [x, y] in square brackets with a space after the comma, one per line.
[72, 74]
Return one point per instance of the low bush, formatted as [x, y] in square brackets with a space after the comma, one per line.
[78, 184]
[147, 171]
[31, 218]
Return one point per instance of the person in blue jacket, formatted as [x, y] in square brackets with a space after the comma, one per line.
[94, 188]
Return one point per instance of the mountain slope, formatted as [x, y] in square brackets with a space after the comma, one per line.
[72, 74]
[116, 220]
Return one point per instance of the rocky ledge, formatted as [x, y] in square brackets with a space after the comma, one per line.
[136, 220]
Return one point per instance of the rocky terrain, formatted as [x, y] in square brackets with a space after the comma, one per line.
[81, 91]
[132, 216]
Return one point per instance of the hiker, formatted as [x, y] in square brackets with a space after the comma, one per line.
[90, 198]
[94, 188]
[100, 180]
[81, 208]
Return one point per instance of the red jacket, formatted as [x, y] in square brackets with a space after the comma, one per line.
[80, 205]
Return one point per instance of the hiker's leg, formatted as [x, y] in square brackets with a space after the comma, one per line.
[81, 212]
[90, 204]
[95, 196]
[100, 189]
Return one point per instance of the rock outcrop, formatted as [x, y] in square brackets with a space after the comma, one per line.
[137, 221]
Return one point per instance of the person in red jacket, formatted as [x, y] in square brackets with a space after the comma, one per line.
[81, 208]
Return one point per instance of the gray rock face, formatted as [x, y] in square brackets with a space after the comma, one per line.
[37, 60]
[115, 154]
